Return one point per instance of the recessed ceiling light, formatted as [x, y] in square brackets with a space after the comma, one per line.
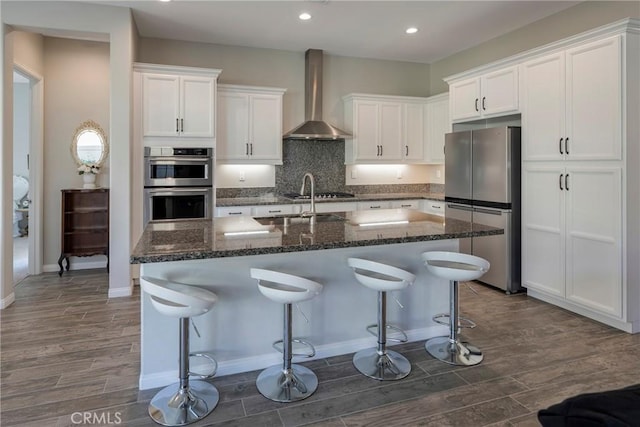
[411, 30]
[165, 1]
[304, 16]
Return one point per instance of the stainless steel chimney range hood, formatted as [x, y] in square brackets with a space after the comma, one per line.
[314, 128]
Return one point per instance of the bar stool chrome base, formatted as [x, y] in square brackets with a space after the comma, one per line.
[386, 366]
[287, 385]
[173, 406]
[453, 352]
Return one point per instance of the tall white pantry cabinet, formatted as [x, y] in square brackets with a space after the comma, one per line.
[579, 102]
[580, 181]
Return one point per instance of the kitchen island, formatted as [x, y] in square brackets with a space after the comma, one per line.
[217, 254]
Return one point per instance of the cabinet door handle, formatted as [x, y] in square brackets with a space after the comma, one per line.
[560, 145]
[377, 148]
[566, 182]
[477, 104]
[246, 149]
[484, 98]
[406, 148]
[560, 181]
[381, 147]
[182, 125]
[251, 149]
[177, 125]
[566, 145]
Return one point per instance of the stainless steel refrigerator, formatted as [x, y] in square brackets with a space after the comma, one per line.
[482, 186]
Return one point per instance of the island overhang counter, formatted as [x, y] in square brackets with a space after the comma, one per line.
[240, 329]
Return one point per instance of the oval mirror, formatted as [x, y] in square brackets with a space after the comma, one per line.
[89, 145]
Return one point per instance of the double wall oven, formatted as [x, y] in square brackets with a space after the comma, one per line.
[178, 183]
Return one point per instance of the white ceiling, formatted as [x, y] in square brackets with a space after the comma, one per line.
[366, 29]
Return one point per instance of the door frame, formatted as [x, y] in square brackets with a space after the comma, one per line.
[36, 167]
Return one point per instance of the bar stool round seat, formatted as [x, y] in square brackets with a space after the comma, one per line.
[455, 267]
[187, 401]
[380, 363]
[287, 382]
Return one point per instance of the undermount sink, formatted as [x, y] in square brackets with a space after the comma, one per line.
[298, 219]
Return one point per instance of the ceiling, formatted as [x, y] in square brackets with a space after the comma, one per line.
[365, 29]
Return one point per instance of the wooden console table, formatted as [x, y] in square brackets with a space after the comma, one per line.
[85, 224]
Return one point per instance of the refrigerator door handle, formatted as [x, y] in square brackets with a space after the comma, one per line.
[488, 211]
[460, 207]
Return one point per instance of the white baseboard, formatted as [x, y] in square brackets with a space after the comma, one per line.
[75, 265]
[7, 301]
[161, 379]
[630, 327]
[120, 292]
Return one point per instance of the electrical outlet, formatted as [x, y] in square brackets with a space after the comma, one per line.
[399, 174]
[438, 174]
[354, 173]
[242, 178]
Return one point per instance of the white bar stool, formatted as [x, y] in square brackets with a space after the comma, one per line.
[289, 382]
[380, 363]
[187, 401]
[456, 267]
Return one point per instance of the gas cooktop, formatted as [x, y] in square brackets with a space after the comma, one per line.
[325, 195]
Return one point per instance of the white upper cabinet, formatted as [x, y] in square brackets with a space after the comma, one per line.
[249, 124]
[414, 132]
[176, 105]
[571, 103]
[386, 129]
[488, 95]
[437, 126]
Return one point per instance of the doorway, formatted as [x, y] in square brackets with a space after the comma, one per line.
[27, 173]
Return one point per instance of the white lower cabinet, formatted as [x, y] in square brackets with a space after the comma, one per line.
[335, 207]
[433, 207]
[380, 204]
[406, 204]
[572, 235]
[233, 211]
[274, 210]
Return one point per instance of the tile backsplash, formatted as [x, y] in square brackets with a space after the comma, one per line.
[324, 159]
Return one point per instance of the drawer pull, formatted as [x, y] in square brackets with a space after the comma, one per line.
[436, 206]
[276, 211]
[235, 213]
[375, 207]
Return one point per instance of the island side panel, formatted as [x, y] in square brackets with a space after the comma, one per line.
[243, 324]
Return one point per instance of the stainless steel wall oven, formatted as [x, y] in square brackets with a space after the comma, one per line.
[178, 183]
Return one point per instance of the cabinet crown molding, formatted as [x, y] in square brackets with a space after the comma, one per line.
[630, 25]
[253, 89]
[175, 69]
[390, 98]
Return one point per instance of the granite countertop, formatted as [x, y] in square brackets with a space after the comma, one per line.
[241, 236]
[281, 200]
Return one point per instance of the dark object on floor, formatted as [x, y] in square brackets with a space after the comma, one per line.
[614, 408]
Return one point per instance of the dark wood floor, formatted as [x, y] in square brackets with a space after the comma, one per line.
[66, 348]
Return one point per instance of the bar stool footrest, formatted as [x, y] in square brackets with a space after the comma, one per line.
[373, 330]
[211, 360]
[278, 346]
[463, 322]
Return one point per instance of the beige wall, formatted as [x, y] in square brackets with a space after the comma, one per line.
[278, 68]
[582, 17]
[28, 51]
[76, 89]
